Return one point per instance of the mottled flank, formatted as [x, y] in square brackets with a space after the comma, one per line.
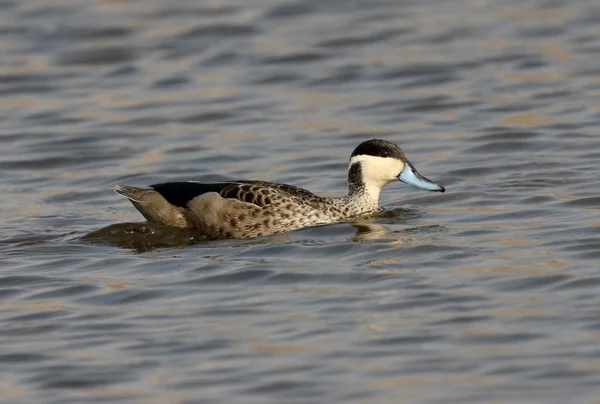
[245, 209]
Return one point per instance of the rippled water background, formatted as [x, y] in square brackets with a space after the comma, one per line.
[487, 293]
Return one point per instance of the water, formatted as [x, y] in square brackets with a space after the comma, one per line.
[487, 293]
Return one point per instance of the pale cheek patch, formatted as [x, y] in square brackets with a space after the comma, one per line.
[378, 169]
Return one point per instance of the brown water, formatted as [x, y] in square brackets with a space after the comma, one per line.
[487, 293]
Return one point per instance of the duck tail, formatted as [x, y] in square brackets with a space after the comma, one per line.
[153, 206]
[134, 194]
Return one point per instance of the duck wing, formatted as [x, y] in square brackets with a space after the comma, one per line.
[259, 193]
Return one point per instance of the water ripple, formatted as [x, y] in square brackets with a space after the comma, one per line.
[488, 292]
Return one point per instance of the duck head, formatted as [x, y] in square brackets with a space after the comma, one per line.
[375, 163]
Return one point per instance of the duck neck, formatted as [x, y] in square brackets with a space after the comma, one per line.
[364, 196]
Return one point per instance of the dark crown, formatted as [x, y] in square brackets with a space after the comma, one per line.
[378, 148]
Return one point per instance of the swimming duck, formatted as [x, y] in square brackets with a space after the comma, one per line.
[245, 209]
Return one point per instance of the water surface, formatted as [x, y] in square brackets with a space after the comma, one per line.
[487, 293]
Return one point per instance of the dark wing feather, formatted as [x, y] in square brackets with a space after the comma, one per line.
[260, 193]
[181, 193]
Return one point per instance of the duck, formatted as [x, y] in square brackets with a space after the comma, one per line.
[247, 209]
